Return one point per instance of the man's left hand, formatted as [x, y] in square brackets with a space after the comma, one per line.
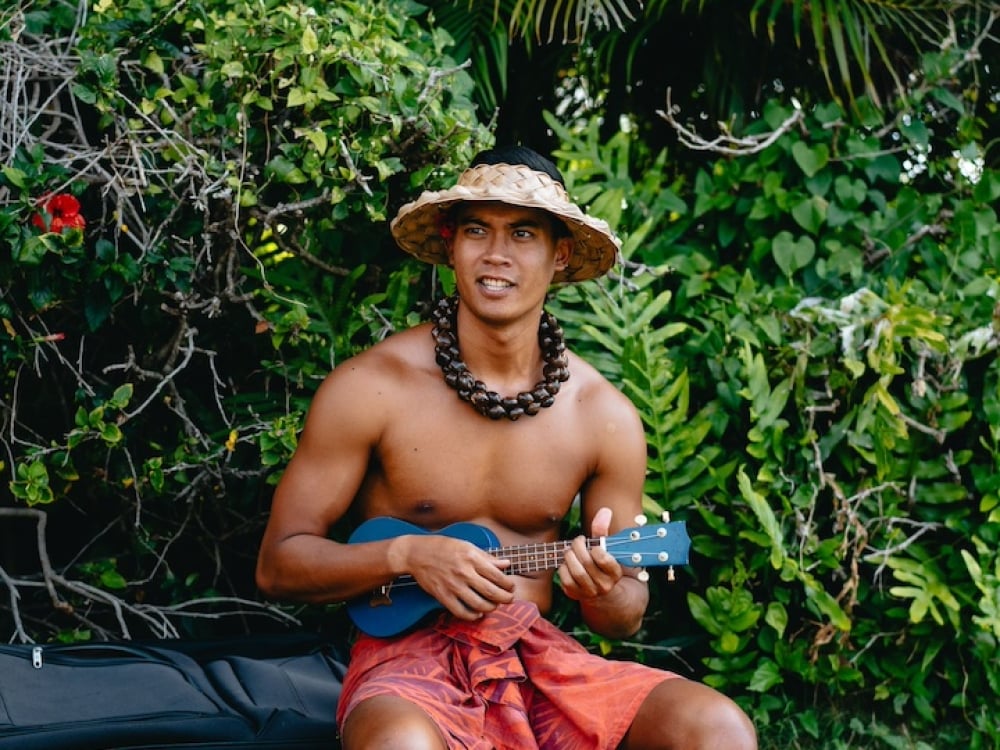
[590, 573]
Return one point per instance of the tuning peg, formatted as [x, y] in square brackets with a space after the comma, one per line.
[671, 576]
[641, 520]
[643, 575]
[665, 516]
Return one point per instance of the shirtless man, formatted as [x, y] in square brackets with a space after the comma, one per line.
[388, 435]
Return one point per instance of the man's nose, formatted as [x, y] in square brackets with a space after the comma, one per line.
[499, 249]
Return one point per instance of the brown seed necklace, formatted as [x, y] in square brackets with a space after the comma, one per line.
[490, 403]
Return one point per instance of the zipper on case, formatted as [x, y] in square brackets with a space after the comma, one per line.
[36, 657]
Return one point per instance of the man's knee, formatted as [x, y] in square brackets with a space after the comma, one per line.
[390, 722]
[684, 714]
[725, 725]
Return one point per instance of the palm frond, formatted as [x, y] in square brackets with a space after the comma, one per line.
[542, 19]
[860, 40]
[481, 37]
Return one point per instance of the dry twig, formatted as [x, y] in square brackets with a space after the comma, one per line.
[158, 619]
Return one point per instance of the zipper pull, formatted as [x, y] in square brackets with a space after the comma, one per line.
[36, 657]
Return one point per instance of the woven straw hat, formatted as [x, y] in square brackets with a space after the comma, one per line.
[417, 229]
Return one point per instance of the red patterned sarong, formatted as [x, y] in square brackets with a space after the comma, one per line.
[509, 680]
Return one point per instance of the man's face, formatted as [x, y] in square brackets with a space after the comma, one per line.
[504, 253]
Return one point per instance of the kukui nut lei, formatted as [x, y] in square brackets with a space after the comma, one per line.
[490, 403]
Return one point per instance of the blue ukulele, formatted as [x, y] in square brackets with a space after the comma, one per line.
[396, 606]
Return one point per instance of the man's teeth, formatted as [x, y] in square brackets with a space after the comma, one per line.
[496, 284]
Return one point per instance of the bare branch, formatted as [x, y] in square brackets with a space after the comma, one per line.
[158, 620]
[726, 143]
[188, 354]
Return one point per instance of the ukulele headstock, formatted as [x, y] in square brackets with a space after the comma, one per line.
[647, 545]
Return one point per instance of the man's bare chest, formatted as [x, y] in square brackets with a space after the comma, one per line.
[518, 475]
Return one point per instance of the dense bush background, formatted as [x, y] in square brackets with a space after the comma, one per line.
[806, 317]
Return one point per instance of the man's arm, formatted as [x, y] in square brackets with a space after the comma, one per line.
[298, 561]
[612, 600]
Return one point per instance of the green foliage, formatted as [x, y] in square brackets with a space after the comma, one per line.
[809, 332]
[856, 728]
[851, 37]
[808, 329]
[231, 167]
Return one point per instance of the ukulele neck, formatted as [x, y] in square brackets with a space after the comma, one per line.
[532, 558]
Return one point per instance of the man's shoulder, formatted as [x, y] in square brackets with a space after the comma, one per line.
[602, 402]
[378, 375]
[399, 353]
[594, 384]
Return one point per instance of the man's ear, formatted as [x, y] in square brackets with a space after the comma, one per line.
[564, 251]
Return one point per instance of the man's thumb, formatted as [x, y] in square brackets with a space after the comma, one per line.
[601, 524]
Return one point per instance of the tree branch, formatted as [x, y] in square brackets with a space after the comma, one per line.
[727, 143]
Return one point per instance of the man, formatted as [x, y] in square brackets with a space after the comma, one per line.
[483, 416]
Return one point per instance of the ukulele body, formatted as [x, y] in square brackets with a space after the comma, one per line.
[397, 606]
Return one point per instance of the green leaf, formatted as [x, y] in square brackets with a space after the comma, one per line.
[948, 98]
[84, 93]
[792, 254]
[122, 395]
[96, 309]
[765, 516]
[850, 193]
[703, 615]
[777, 617]
[766, 676]
[111, 433]
[987, 190]
[298, 97]
[154, 62]
[309, 41]
[729, 643]
[810, 214]
[317, 137]
[828, 606]
[34, 249]
[233, 69]
[112, 579]
[810, 160]
[286, 170]
[15, 176]
[885, 167]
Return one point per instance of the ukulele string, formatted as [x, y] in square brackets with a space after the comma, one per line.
[531, 558]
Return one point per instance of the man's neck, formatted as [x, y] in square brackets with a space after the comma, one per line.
[507, 356]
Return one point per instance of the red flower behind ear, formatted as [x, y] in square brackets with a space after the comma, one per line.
[60, 211]
[445, 227]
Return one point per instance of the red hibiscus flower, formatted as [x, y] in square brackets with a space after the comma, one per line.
[60, 211]
[445, 226]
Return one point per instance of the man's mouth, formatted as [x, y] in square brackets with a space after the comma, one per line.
[495, 285]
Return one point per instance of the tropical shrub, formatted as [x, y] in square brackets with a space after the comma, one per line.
[194, 231]
[810, 331]
[192, 213]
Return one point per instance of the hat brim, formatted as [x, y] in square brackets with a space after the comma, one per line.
[416, 227]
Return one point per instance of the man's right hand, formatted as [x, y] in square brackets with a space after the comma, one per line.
[468, 581]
